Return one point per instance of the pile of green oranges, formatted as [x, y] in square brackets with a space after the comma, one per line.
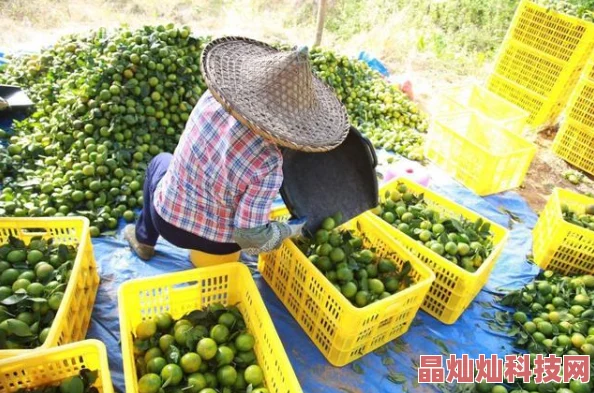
[378, 109]
[107, 102]
[362, 276]
[555, 315]
[33, 280]
[465, 243]
[208, 351]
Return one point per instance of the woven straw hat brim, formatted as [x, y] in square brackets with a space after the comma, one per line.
[234, 68]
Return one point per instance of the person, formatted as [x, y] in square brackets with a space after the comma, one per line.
[214, 194]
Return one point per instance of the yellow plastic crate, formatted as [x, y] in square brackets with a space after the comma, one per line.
[580, 108]
[180, 293]
[454, 288]
[73, 316]
[534, 104]
[50, 366]
[575, 144]
[480, 153]
[280, 213]
[341, 331]
[559, 245]
[553, 33]
[540, 61]
[529, 68]
[589, 69]
[478, 98]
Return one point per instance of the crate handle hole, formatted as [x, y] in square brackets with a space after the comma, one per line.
[185, 285]
[34, 231]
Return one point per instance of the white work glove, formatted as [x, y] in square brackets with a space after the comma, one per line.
[296, 225]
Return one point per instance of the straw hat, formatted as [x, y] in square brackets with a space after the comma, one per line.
[274, 93]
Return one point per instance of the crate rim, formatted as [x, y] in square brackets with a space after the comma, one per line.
[528, 3]
[383, 303]
[70, 285]
[521, 113]
[440, 259]
[575, 19]
[99, 345]
[530, 148]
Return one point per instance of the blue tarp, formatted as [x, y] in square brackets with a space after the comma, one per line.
[374, 63]
[470, 334]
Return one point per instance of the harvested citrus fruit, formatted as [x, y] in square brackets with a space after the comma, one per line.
[465, 243]
[25, 276]
[205, 349]
[356, 271]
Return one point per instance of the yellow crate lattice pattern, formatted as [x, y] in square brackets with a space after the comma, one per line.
[559, 245]
[180, 293]
[50, 366]
[342, 332]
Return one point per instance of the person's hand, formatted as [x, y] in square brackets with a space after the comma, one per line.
[297, 225]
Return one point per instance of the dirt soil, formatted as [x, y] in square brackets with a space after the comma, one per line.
[547, 172]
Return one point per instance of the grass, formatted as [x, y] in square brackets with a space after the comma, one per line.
[402, 33]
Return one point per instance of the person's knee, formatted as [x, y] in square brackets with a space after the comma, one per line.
[159, 164]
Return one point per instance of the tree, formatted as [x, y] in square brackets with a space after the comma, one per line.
[320, 25]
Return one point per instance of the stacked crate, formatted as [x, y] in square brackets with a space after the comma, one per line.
[575, 139]
[540, 61]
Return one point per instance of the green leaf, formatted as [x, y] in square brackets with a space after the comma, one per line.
[38, 299]
[357, 368]
[197, 317]
[396, 378]
[398, 346]
[512, 299]
[14, 299]
[387, 361]
[486, 228]
[501, 317]
[173, 354]
[381, 350]
[63, 252]
[18, 328]
[89, 377]
[440, 344]
[457, 225]
[16, 242]
[478, 224]
[514, 331]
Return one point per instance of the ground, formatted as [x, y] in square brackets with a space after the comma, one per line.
[30, 24]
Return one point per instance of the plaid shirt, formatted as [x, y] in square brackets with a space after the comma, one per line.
[222, 176]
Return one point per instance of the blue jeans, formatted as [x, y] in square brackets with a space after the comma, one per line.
[150, 225]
